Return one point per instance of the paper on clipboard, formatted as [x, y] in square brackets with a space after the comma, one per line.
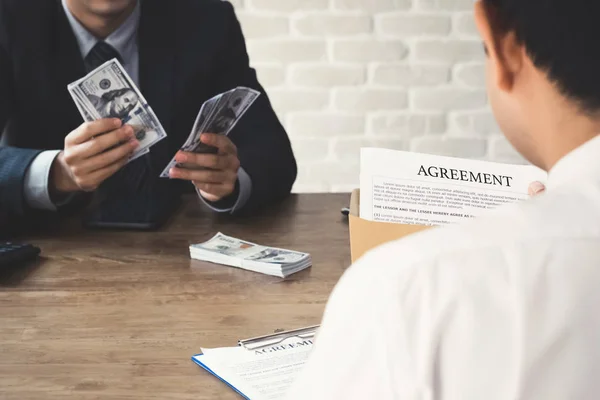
[259, 372]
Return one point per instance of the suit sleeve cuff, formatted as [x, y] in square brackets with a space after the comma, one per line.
[243, 194]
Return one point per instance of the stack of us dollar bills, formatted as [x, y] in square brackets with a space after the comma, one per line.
[109, 92]
[217, 115]
[237, 253]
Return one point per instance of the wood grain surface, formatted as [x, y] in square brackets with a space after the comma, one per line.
[117, 315]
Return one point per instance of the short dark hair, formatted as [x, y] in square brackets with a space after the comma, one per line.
[562, 38]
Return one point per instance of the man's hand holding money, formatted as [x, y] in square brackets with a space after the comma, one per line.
[93, 152]
[214, 175]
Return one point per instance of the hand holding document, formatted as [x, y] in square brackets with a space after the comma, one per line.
[109, 92]
[234, 252]
[260, 372]
[419, 189]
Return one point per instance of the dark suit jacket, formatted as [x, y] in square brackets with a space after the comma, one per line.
[190, 50]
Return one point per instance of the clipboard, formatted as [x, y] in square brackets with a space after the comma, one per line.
[278, 337]
[197, 360]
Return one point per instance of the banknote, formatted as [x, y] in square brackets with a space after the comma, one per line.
[218, 115]
[205, 113]
[232, 106]
[108, 92]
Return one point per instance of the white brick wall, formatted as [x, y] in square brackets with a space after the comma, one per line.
[401, 74]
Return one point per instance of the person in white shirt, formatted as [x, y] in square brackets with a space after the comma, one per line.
[505, 307]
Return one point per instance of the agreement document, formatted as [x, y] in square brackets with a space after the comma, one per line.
[421, 189]
[258, 374]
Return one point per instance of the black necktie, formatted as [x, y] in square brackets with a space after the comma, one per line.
[100, 53]
[128, 195]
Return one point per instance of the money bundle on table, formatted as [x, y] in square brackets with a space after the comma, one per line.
[218, 115]
[237, 253]
[108, 92]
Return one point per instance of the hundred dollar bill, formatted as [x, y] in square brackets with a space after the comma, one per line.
[87, 116]
[205, 112]
[217, 115]
[108, 92]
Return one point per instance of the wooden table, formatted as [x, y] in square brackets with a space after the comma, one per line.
[117, 315]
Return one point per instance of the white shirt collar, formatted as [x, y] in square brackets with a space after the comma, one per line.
[584, 160]
[121, 39]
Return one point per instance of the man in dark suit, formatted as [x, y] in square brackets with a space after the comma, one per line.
[180, 53]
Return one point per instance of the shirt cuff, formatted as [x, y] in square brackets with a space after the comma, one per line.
[36, 181]
[245, 189]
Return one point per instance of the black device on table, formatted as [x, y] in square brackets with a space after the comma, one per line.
[138, 201]
[16, 254]
[126, 216]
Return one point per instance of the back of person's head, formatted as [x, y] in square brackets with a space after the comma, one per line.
[543, 56]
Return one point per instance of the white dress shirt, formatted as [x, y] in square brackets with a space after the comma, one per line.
[124, 41]
[505, 307]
